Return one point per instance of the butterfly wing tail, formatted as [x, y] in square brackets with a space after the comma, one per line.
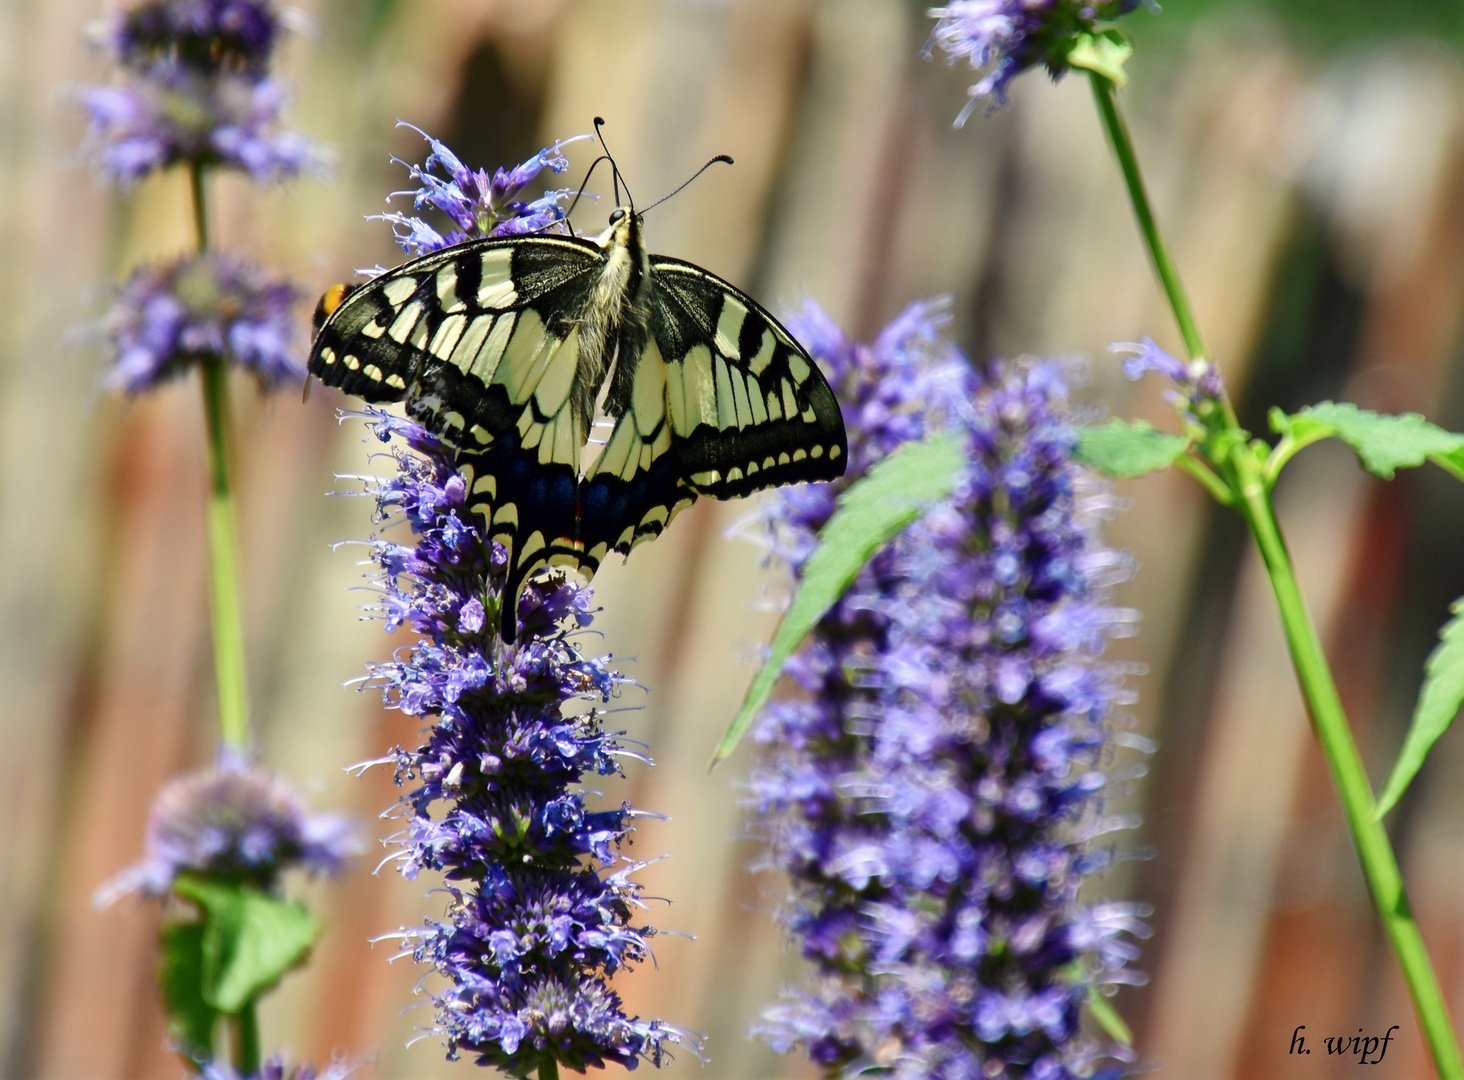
[528, 507]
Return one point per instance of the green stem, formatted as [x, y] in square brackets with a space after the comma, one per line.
[200, 207]
[1203, 475]
[1248, 488]
[1123, 148]
[244, 1040]
[223, 547]
[1374, 850]
[549, 1068]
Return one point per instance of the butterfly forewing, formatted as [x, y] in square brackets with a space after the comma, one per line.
[479, 341]
[710, 396]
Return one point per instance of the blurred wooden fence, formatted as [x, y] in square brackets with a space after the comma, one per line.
[1317, 213]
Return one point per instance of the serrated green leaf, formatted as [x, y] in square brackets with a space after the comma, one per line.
[873, 510]
[1104, 53]
[1102, 1010]
[1383, 443]
[191, 1019]
[1439, 702]
[1124, 449]
[250, 939]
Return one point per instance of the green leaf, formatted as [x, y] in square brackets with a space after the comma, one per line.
[873, 510]
[1438, 703]
[191, 1019]
[1382, 443]
[250, 939]
[1123, 449]
[1452, 462]
[1104, 53]
[1102, 1010]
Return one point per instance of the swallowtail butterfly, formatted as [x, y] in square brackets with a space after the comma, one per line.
[508, 348]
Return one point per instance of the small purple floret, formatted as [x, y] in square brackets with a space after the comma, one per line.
[193, 89]
[200, 35]
[275, 1068]
[169, 316]
[933, 793]
[542, 902]
[234, 822]
[1197, 384]
[179, 117]
[478, 204]
[1003, 38]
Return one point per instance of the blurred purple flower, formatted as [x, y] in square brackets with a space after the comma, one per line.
[497, 806]
[934, 794]
[885, 389]
[234, 822]
[169, 316]
[1003, 38]
[177, 116]
[478, 204]
[200, 35]
[274, 1068]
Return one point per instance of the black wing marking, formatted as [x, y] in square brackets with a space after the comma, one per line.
[479, 341]
[723, 402]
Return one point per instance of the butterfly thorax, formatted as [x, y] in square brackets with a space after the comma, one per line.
[613, 327]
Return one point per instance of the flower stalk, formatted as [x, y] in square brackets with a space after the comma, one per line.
[223, 547]
[244, 1040]
[1123, 149]
[223, 594]
[1238, 462]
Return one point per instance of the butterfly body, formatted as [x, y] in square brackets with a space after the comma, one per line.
[508, 348]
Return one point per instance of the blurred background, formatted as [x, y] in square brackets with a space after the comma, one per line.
[1307, 158]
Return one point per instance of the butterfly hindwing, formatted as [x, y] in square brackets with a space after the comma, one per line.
[723, 402]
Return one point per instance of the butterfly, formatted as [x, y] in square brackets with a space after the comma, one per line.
[508, 348]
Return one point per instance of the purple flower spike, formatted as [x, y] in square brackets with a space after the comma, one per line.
[1003, 38]
[885, 390]
[206, 36]
[477, 203]
[542, 902]
[236, 822]
[933, 793]
[170, 316]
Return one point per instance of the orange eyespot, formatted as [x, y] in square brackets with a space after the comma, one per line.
[329, 302]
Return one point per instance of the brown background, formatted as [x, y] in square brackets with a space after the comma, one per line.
[1315, 206]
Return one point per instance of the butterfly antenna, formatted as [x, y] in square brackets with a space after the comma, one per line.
[588, 173]
[615, 177]
[719, 158]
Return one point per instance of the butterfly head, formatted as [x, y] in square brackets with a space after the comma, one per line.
[624, 230]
